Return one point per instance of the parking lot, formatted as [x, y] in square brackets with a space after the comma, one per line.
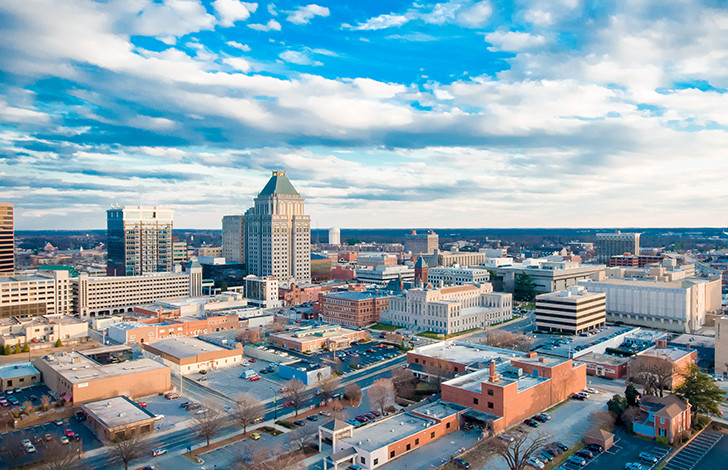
[27, 393]
[358, 356]
[707, 451]
[228, 382]
[36, 434]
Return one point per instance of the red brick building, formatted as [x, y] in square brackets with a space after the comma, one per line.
[502, 388]
[630, 261]
[662, 417]
[352, 308]
[300, 294]
[605, 365]
[681, 359]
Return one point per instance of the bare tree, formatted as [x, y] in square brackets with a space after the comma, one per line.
[279, 324]
[14, 448]
[250, 455]
[352, 392]
[45, 402]
[60, 457]
[249, 336]
[337, 410]
[381, 395]
[300, 437]
[630, 414]
[128, 448]
[208, 423]
[404, 382]
[282, 460]
[523, 446]
[507, 340]
[437, 369]
[602, 419]
[654, 373]
[28, 407]
[247, 410]
[294, 392]
[328, 386]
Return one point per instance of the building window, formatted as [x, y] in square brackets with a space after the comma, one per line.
[409, 446]
[363, 460]
[391, 455]
[490, 404]
[417, 360]
[475, 401]
[490, 392]
[376, 462]
[417, 441]
[662, 420]
[448, 426]
[432, 435]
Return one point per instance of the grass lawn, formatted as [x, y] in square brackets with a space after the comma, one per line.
[384, 327]
[433, 335]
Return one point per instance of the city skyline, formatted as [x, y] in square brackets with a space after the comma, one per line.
[384, 114]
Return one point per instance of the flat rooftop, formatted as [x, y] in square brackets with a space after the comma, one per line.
[307, 366]
[675, 354]
[466, 353]
[306, 334]
[17, 369]
[506, 374]
[605, 359]
[695, 341]
[183, 347]
[116, 412]
[354, 295]
[29, 277]
[387, 431]
[439, 409]
[605, 334]
[77, 368]
[646, 335]
[684, 284]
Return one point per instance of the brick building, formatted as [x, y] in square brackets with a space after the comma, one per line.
[352, 308]
[298, 294]
[662, 417]
[681, 359]
[76, 377]
[327, 337]
[118, 417]
[629, 260]
[191, 355]
[421, 243]
[605, 365]
[150, 330]
[503, 386]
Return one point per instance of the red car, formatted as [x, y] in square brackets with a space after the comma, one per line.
[255, 378]
[142, 404]
[252, 359]
[286, 405]
[68, 433]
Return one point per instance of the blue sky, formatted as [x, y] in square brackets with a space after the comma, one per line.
[558, 113]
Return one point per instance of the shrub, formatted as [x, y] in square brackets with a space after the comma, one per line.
[59, 343]
[286, 424]
[26, 347]
[661, 441]
[7, 351]
[17, 349]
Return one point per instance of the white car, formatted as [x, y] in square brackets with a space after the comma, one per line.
[158, 452]
[534, 462]
[30, 449]
[506, 437]
[593, 391]
[228, 409]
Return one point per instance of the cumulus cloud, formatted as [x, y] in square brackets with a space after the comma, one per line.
[476, 15]
[304, 14]
[271, 25]
[379, 22]
[513, 41]
[168, 18]
[300, 58]
[237, 45]
[237, 63]
[230, 11]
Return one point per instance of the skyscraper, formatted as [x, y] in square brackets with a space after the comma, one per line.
[139, 240]
[421, 243]
[233, 239]
[7, 238]
[617, 243]
[278, 234]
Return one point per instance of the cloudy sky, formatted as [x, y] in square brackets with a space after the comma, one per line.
[542, 113]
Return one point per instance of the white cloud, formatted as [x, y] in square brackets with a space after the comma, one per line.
[300, 58]
[379, 22]
[271, 25]
[230, 11]
[169, 18]
[413, 37]
[272, 9]
[513, 41]
[14, 115]
[304, 14]
[539, 17]
[237, 45]
[476, 15]
[237, 63]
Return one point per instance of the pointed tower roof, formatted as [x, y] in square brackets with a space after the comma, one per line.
[421, 263]
[278, 184]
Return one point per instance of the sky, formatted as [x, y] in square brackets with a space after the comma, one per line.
[385, 114]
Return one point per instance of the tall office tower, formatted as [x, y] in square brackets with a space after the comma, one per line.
[615, 244]
[7, 238]
[278, 234]
[233, 239]
[334, 236]
[139, 240]
[421, 243]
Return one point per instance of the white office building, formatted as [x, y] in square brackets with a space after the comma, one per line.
[450, 309]
[44, 293]
[383, 274]
[233, 239]
[457, 276]
[262, 291]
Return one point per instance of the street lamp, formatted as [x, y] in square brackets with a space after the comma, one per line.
[275, 407]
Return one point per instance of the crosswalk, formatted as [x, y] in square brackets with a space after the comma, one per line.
[689, 457]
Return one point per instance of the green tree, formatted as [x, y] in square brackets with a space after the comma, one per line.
[7, 351]
[353, 241]
[524, 289]
[17, 349]
[26, 347]
[59, 343]
[702, 392]
[223, 286]
[617, 405]
[631, 393]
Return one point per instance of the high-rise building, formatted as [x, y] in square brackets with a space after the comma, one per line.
[334, 236]
[618, 243]
[179, 251]
[421, 243]
[233, 239]
[139, 240]
[7, 238]
[278, 234]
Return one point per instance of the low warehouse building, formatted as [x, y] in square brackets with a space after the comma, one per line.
[18, 375]
[75, 377]
[191, 355]
[604, 365]
[118, 417]
[328, 337]
[304, 371]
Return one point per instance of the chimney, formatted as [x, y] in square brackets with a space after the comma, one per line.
[688, 345]
[531, 354]
[661, 343]
[492, 377]
[540, 359]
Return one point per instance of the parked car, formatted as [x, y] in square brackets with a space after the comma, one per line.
[576, 460]
[158, 452]
[353, 422]
[460, 463]
[228, 409]
[64, 440]
[375, 413]
[534, 462]
[370, 415]
[506, 437]
[325, 413]
[300, 423]
[648, 457]
[30, 449]
[255, 436]
[545, 456]
[593, 391]
[254, 378]
[25, 442]
[530, 422]
[68, 432]
[172, 396]
[578, 396]
[585, 454]
[17, 390]
[142, 404]
[203, 379]
[58, 422]
[595, 448]
[312, 418]
[257, 420]
[634, 466]
[361, 418]
[48, 437]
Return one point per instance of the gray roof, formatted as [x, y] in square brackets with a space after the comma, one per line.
[17, 369]
[278, 184]
[336, 425]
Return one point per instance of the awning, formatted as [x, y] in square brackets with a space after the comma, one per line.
[342, 456]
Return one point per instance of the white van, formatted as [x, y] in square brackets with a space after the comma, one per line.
[247, 374]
